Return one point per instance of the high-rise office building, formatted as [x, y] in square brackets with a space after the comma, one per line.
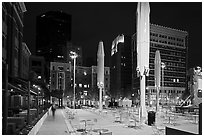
[173, 47]
[121, 67]
[52, 34]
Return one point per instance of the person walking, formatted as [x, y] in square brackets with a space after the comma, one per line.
[53, 110]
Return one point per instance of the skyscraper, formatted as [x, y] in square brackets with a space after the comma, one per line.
[53, 32]
[120, 70]
[173, 47]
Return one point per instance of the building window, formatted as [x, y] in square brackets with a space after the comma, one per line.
[60, 68]
[61, 80]
[36, 63]
[199, 93]
[53, 67]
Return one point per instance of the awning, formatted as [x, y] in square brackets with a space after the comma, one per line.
[20, 90]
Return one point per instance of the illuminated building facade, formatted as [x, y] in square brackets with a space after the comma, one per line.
[60, 80]
[173, 47]
[121, 67]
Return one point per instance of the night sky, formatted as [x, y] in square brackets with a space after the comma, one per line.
[92, 22]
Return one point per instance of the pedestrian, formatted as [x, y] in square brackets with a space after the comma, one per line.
[53, 110]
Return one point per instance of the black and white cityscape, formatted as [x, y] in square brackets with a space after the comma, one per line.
[101, 68]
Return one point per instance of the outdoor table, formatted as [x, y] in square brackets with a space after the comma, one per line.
[118, 118]
[133, 119]
[100, 130]
[85, 123]
[170, 115]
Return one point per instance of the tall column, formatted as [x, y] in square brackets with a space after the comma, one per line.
[74, 81]
[37, 103]
[100, 72]
[143, 43]
[143, 111]
[5, 101]
[28, 110]
[100, 99]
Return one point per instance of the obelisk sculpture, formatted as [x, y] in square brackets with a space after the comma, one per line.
[157, 76]
[100, 73]
[143, 42]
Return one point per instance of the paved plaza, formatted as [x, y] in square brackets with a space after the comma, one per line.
[113, 121]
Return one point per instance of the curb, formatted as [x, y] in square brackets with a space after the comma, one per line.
[38, 125]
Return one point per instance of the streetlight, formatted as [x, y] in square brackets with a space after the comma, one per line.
[38, 91]
[74, 55]
[163, 66]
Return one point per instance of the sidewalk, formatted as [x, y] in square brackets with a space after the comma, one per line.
[54, 125]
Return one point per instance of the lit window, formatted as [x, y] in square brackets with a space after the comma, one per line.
[85, 86]
[80, 85]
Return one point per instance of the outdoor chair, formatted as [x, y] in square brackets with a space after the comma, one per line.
[188, 116]
[89, 125]
[78, 127]
[133, 121]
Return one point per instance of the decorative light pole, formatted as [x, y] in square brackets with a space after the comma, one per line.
[74, 55]
[143, 42]
[163, 66]
[100, 73]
